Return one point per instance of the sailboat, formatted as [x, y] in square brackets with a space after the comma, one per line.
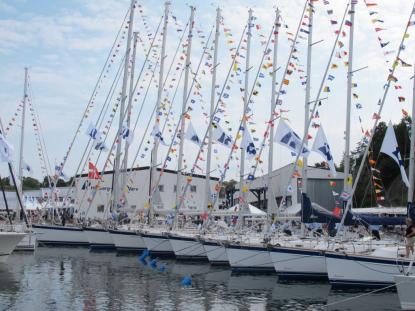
[383, 265]
[252, 254]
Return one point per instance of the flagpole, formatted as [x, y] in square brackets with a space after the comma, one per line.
[412, 155]
[347, 177]
[271, 197]
[307, 94]
[116, 188]
[130, 101]
[22, 132]
[208, 200]
[242, 193]
[183, 118]
[154, 153]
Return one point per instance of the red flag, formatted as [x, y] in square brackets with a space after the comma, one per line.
[93, 172]
[337, 211]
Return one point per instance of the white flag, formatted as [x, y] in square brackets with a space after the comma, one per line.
[321, 146]
[191, 135]
[287, 137]
[6, 150]
[221, 137]
[248, 144]
[92, 131]
[157, 133]
[127, 134]
[390, 147]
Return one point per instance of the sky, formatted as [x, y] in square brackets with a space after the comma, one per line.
[65, 44]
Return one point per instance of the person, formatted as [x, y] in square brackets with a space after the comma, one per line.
[409, 237]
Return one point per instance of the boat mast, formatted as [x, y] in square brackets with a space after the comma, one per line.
[412, 155]
[242, 193]
[183, 119]
[307, 92]
[153, 170]
[271, 198]
[208, 201]
[116, 189]
[20, 187]
[130, 101]
[347, 187]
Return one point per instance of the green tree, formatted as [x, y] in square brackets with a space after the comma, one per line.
[389, 172]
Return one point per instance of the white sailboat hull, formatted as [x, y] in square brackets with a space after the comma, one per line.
[298, 263]
[99, 239]
[362, 271]
[8, 242]
[216, 253]
[127, 241]
[28, 243]
[60, 236]
[158, 244]
[187, 248]
[406, 289]
[244, 258]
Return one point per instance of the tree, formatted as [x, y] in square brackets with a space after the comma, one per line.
[389, 171]
[30, 183]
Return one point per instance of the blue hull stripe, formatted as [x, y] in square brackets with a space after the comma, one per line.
[192, 258]
[62, 243]
[391, 261]
[249, 248]
[56, 228]
[301, 275]
[210, 243]
[95, 229]
[102, 246]
[254, 269]
[122, 232]
[154, 236]
[129, 249]
[296, 251]
[179, 238]
[340, 283]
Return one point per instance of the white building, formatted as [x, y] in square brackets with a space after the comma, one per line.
[137, 193]
[321, 187]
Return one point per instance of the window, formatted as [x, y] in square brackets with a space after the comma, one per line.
[133, 206]
[192, 188]
[100, 208]
[174, 188]
[161, 188]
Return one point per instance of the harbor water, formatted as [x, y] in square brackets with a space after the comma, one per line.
[77, 279]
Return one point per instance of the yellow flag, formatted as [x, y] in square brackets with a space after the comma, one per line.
[349, 180]
[244, 189]
[146, 205]
[300, 163]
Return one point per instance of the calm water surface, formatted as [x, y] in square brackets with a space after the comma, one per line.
[76, 279]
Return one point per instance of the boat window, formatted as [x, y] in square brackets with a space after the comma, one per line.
[193, 188]
[100, 208]
[161, 188]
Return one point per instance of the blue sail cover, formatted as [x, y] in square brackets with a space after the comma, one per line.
[309, 214]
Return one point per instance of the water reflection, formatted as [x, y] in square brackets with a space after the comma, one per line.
[75, 279]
